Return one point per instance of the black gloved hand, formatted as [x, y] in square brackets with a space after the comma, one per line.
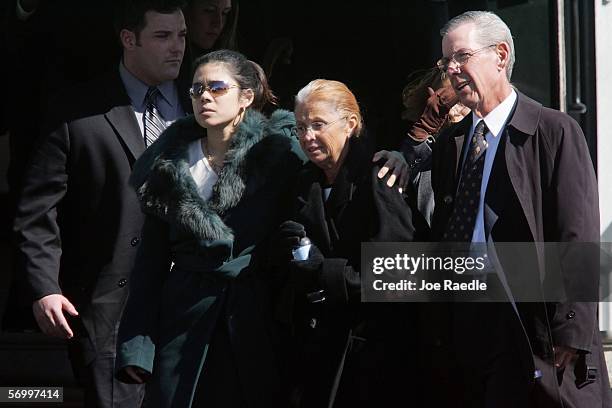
[305, 275]
[285, 240]
[302, 279]
[315, 259]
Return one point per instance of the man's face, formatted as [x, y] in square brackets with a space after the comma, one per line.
[158, 50]
[479, 83]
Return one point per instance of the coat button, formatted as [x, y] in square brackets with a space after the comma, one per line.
[135, 241]
[122, 282]
[570, 315]
[448, 199]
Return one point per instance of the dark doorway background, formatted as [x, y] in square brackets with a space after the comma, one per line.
[374, 46]
[371, 46]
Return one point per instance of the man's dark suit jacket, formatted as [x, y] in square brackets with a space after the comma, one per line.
[542, 188]
[78, 222]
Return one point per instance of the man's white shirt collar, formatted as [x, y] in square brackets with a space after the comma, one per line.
[496, 119]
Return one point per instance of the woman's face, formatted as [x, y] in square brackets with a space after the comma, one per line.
[205, 21]
[217, 99]
[323, 131]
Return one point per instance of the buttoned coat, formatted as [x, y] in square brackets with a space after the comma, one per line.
[208, 313]
[78, 223]
[542, 188]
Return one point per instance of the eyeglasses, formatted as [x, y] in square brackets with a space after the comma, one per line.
[460, 58]
[215, 88]
[316, 127]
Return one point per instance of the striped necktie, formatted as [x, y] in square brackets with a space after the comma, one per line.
[154, 124]
[463, 218]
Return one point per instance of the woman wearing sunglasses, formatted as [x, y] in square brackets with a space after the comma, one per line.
[342, 351]
[195, 327]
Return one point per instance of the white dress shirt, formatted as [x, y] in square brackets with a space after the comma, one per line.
[168, 104]
[201, 170]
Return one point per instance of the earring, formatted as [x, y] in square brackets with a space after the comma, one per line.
[238, 117]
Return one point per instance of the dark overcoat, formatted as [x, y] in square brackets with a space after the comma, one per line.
[419, 192]
[348, 353]
[198, 307]
[78, 222]
[542, 188]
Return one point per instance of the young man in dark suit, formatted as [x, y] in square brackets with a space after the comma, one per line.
[78, 222]
[514, 171]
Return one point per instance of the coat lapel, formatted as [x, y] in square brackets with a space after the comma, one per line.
[312, 210]
[123, 121]
[521, 161]
[458, 138]
[521, 177]
[496, 195]
[515, 154]
[351, 172]
[458, 150]
[340, 195]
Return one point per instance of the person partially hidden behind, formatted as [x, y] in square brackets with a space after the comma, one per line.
[431, 105]
[211, 25]
[78, 224]
[515, 171]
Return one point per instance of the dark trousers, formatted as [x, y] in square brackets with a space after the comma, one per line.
[495, 383]
[219, 384]
[102, 389]
[489, 370]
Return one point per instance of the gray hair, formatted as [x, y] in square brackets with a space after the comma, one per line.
[490, 29]
[304, 93]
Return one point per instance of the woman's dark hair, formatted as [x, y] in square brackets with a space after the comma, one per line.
[247, 73]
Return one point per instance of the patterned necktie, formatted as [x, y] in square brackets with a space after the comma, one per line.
[154, 124]
[460, 226]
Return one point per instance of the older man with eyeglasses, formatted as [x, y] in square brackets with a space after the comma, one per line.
[514, 171]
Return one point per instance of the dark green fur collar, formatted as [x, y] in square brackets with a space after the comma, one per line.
[165, 187]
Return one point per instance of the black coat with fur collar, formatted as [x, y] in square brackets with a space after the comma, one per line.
[214, 290]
